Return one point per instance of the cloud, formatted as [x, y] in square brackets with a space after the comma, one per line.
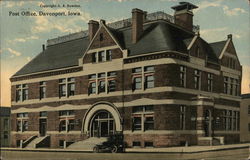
[206, 4]
[233, 12]
[23, 39]
[13, 52]
[214, 34]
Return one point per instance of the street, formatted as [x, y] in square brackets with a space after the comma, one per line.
[236, 154]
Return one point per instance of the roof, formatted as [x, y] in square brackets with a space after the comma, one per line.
[245, 96]
[56, 56]
[158, 35]
[218, 47]
[5, 111]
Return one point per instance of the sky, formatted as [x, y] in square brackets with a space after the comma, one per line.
[21, 37]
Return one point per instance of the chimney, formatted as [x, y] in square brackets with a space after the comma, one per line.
[230, 36]
[93, 27]
[43, 47]
[137, 24]
[183, 15]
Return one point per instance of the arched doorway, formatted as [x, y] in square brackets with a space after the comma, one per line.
[101, 120]
[102, 124]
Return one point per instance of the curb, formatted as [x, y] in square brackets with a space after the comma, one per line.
[131, 151]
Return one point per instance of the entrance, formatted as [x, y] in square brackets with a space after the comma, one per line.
[208, 124]
[42, 127]
[102, 124]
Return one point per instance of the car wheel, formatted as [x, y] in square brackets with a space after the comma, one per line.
[96, 149]
[114, 149]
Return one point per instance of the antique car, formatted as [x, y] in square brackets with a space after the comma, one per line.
[114, 144]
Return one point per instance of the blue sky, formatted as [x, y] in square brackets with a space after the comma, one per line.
[22, 36]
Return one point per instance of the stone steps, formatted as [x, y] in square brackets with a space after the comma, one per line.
[87, 144]
[33, 143]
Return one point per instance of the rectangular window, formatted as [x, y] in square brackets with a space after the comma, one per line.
[6, 124]
[25, 125]
[71, 89]
[149, 69]
[210, 82]
[25, 94]
[19, 126]
[137, 123]
[136, 144]
[101, 87]
[137, 83]
[94, 57]
[42, 90]
[92, 76]
[101, 75]
[109, 55]
[149, 122]
[43, 114]
[101, 56]
[21, 92]
[92, 88]
[137, 70]
[111, 85]
[231, 86]
[182, 117]
[148, 144]
[182, 76]
[71, 124]
[62, 126]
[143, 118]
[197, 79]
[225, 85]
[149, 81]
[5, 135]
[62, 90]
[111, 74]
[67, 87]
[236, 87]
[66, 113]
[18, 93]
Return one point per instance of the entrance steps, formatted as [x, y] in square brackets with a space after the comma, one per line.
[38, 142]
[87, 144]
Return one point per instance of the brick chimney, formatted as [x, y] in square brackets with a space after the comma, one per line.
[183, 15]
[93, 27]
[137, 24]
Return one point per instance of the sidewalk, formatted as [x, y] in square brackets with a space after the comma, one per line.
[190, 149]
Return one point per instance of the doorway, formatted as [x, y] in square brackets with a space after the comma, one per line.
[208, 123]
[42, 127]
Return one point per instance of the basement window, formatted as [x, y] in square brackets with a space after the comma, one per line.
[136, 144]
[149, 144]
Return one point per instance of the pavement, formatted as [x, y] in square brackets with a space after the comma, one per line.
[188, 149]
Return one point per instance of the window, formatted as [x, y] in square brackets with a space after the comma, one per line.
[182, 76]
[94, 57]
[21, 92]
[136, 144]
[137, 83]
[5, 135]
[22, 122]
[101, 57]
[226, 85]
[42, 90]
[67, 120]
[6, 123]
[231, 120]
[231, 86]
[143, 118]
[111, 85]
[197, 79]
[182, 117]
[109, 55]
[197, 51]
[137, 70]
[149, 81]
[249, 127]
[92, 88]
[236, 87]
[148, 144]
[210, 82]
[149, 69]
[43, 114]
[101, 87]
[66, 87]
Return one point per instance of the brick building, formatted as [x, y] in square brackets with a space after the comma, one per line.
[245, 118]
[150, 77]
[4, 126]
